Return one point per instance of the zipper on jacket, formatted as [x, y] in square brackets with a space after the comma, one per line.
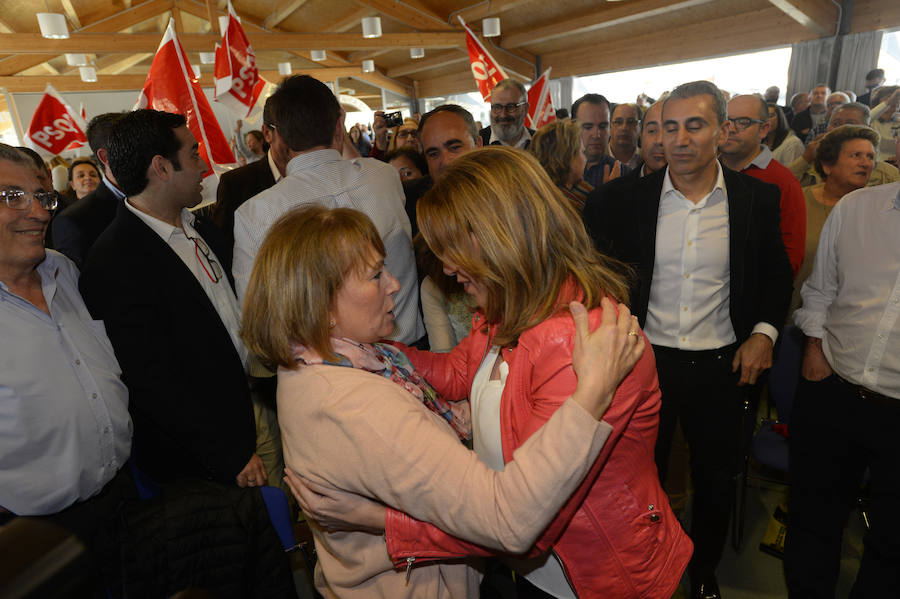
[409, 564]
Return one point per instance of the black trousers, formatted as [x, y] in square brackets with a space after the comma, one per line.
[699, 390]
[836, 432]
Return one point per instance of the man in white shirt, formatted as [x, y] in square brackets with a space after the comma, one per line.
[308, 119]
[847, 413]
[156, 277]
[713, 284]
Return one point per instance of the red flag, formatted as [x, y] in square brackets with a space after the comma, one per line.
[540, 108]
[171, 87]
[486, 70]
[235, 71]
[55, 126]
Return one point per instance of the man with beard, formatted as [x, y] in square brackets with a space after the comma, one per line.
[509, 106]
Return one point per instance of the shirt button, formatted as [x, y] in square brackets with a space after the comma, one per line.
[684, 309]
[684, 338]
[690, 243]
[93, 396]
[870, 369]
[105, 429]
[687, 276]
[78, 362]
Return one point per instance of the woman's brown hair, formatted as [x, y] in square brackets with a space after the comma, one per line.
[298, 271]
[555, 145]
[497, 215]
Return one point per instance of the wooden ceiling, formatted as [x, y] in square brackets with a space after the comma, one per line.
[574, 37]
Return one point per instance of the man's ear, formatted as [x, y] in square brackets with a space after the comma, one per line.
[103, 156]
[479, 143]
[160, 167]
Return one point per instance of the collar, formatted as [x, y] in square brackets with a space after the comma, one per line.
[526, 137]
[161, 228]
[669, 188]
[274, 169]
[762, 159]
[308, 160]
[120, 195]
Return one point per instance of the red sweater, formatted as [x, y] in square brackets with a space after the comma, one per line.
[793, 208]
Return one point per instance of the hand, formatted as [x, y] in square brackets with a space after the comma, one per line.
[253, 474]
[614, 173]
[380, 128]
[603, 358]
[809, 154]
[753, 357]
[237, 125]
[334, 509]
[815, 367]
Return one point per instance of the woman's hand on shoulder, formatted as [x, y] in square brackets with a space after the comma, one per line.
[334, 509]
[603, 357]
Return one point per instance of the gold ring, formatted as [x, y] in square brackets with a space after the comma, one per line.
[632, 333]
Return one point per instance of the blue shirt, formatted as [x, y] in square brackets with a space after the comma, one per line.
[64, 424]
[594, 174]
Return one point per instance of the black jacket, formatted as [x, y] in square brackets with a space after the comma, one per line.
[187, 391]
[235, 188]
[76, 228]
[621, 217]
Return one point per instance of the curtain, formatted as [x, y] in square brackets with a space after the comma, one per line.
[859, 55]
[561, 93]
[810, 63]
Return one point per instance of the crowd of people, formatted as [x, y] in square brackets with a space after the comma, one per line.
[456, 342]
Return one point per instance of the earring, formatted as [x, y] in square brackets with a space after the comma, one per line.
[331, 323]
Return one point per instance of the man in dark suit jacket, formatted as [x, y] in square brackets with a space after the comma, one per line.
[76, 228]
[157, 277]
[241, 184]
[712, 288]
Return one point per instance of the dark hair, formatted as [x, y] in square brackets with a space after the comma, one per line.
[590, 99]
[135, 140]
[458, 111]
[35, 158]
[829, 149]
[511, 83]
[781, 128]
[257, 134]
[79, 162]
[562, 113]
[415, 157]
[428, 265]
[100, 127]
[882, 93]
[305, 112]
[703, 88]
[875, 73]
[14, 154]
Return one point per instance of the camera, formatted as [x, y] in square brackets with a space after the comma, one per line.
[393, 119]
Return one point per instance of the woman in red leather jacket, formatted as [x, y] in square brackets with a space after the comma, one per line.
[502, 228]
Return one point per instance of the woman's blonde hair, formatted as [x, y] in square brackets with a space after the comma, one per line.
[555, 145]
[496, 214]
[298, 271]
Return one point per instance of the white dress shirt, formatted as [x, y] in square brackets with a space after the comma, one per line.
[852, 298]
[218, 291]
[323, 177]
[64, 424]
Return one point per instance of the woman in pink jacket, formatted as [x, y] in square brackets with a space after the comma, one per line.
[503, 229]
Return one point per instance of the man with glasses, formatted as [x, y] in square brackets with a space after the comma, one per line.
[509, 107]
[743, 151]
[65, 433]
[158, 278]
[626, 129]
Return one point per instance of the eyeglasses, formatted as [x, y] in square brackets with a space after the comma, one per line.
[513, 107]
[742, 122]
[200, 246]
[407, 133]
[630, 123]
[19, 199]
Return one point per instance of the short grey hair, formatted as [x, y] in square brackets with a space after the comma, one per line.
[702, 88]
[862, 108]
[511, 83]
[15, 155]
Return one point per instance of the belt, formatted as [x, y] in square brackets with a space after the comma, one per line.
[701, 355]
[865, 393]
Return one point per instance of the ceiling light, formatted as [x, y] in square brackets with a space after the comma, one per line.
[88, 74]
[76, 60]
[371, 27]
[317, 55]
[368, 66]
[207, 57]
[196, 68]
[490, 27]
[53, 25]
[417, 52]
[284, 68]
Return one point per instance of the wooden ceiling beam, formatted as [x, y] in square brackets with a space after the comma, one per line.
[487, 9]
[123, 64]
[431, 62]
[875, 14]
[357, 57]
[70, 12]
[605, 18]
[110, 43]
[821, 17]
[350, 20]
[409, 12]
[283, 10]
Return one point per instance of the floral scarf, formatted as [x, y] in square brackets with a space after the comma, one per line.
[391, 363]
